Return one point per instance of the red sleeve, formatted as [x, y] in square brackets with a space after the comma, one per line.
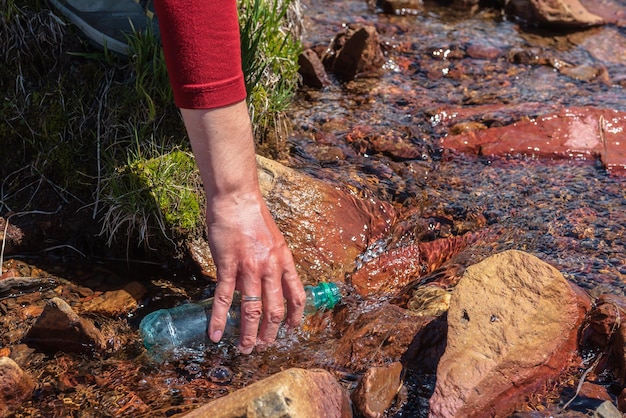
[202, 51]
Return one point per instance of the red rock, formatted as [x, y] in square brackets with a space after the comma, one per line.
[312, 70]
[59, 328]
[483, 51]
[360, 55]
[326, 227]
[399, 266]
[15, 386]
[512, 327]
[593, 391]
[572, 133]
[612, 11]
[553, 12]
[377, 389]
[603, 333]
[378, 336]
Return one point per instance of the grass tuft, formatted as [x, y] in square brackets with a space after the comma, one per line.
[101, 133]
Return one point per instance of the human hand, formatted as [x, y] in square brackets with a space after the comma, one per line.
[252, 257]
[249, 251]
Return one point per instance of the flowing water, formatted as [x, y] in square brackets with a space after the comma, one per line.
[571, 214]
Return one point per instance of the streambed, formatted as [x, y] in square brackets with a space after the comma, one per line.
[570, 213]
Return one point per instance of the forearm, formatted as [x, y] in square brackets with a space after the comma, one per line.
[223, 145]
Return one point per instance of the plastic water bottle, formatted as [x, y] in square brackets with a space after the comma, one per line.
[186, 325]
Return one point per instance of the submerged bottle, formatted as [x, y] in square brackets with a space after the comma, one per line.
[186, 325]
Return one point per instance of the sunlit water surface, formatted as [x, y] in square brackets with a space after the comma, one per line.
[569, 213]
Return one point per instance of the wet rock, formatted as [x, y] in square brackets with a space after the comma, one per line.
[360, 54]
[312, 70]
[399, 266]
[553, 12]
[612, 11]
[325, 226]
[593, 391]
[15, 386]
[401, 7]
[580, 133]
[607, 410]
[379, 336]
[429, 300]
[293, 393]
[605, 44]
[603, 333]
[59, 328]
[584, 72]
[512, 326]
[115, 303]
[377, 389]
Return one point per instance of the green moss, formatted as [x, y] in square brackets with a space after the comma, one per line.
[171, 181]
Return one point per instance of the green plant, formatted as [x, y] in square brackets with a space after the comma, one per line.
[270, 46]
[157, 192]
[101, 132]
[148, 65]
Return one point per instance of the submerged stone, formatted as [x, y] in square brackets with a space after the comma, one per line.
[578, 133]
[114, 303]
[381, 335]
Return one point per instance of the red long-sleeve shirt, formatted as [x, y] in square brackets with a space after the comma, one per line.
[202, 51]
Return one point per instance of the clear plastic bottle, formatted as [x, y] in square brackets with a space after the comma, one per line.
[185, 326]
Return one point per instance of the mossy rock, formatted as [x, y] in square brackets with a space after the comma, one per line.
[172, 181]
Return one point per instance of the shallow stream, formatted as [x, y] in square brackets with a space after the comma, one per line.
[571, 214]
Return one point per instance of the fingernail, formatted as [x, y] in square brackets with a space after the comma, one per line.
[216, 336]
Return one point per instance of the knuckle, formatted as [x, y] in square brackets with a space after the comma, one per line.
[275, 316]
[299, 300]
[252, 311]
[247, 340]
[223, 299]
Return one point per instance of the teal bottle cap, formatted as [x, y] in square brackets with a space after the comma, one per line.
[332, 295]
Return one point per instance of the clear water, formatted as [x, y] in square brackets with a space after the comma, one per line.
[569, 213]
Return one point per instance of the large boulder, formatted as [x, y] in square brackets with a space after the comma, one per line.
[326, 226]
[512, 327]
[293, 393]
